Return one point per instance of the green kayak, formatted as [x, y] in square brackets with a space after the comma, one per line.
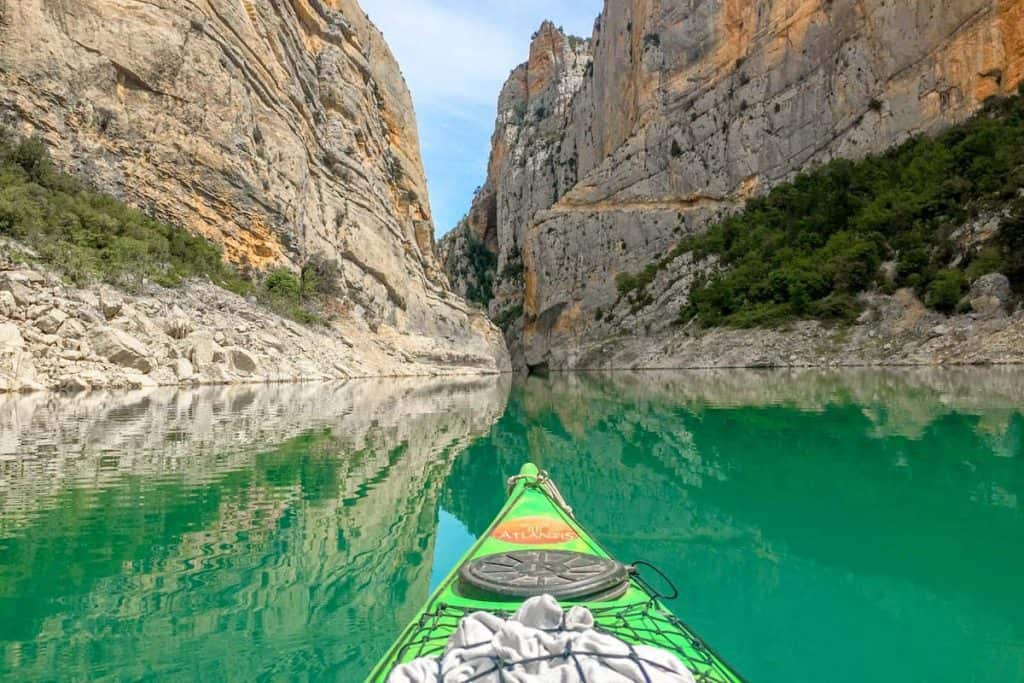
[534, 546]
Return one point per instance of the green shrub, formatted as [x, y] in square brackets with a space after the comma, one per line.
[483, 264]
[946, 290]
[513, 271]
[837, 307]
[320, 277]
[282, 283]
[625, 283]
[988, 260]
[301, 297]
[1010, 242]
[91, 237]
[505, 318]
[810, 246]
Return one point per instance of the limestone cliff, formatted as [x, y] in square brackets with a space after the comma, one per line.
[606, 152]
[282, 130]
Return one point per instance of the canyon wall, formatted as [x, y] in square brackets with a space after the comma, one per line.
[606, 152]
[283, 131]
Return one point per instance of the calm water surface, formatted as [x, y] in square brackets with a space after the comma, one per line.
[854, 526]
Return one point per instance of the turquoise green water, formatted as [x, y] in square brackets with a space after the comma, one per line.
[820, 526]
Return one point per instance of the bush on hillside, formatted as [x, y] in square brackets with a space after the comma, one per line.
[92, 237]
[946, 290]
[810, 246]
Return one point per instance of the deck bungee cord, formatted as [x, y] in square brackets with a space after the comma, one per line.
[536, 595]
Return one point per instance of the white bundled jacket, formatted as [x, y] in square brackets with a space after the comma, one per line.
[483, 642]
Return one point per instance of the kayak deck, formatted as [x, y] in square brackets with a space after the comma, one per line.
[536, 518]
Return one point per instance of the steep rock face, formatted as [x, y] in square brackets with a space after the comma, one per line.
[282, 130]
[527, 169]
[688, 110]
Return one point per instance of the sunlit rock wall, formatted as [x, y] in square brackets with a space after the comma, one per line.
[675, 113]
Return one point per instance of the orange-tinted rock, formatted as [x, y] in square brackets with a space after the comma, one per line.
[676, 113]
[280, 130]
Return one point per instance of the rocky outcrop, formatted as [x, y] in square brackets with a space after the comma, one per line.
[62, 338]
[672, 116]
[282, 130]
[526, 169]
[893, 330]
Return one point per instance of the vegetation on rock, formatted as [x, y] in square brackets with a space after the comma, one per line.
[91, 237]
[301, 297]
[809, 247]
[507, 317]
[470, 263]
[482, 263]
[514, 270]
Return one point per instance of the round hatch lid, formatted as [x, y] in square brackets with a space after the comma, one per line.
[563, 574]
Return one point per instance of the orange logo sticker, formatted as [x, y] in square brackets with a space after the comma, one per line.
[534, 531]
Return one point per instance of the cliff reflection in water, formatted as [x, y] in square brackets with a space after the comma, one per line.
[865, 517]
[224, 533]
[863, 523]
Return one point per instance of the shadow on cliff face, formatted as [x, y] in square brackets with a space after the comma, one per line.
[789, 502]
[223, 533]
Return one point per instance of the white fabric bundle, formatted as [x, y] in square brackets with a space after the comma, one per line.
[483, 638]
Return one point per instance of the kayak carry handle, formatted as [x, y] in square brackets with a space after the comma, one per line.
[540, 479]
[635, 571]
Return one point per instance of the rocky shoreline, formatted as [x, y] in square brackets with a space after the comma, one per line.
[61, 338]
[894, 330]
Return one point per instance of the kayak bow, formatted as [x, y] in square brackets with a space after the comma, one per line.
[536, 546]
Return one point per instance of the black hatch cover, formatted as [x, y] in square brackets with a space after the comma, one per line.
[563, 574]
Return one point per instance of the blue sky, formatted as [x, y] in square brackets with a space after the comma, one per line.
[455, 55]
